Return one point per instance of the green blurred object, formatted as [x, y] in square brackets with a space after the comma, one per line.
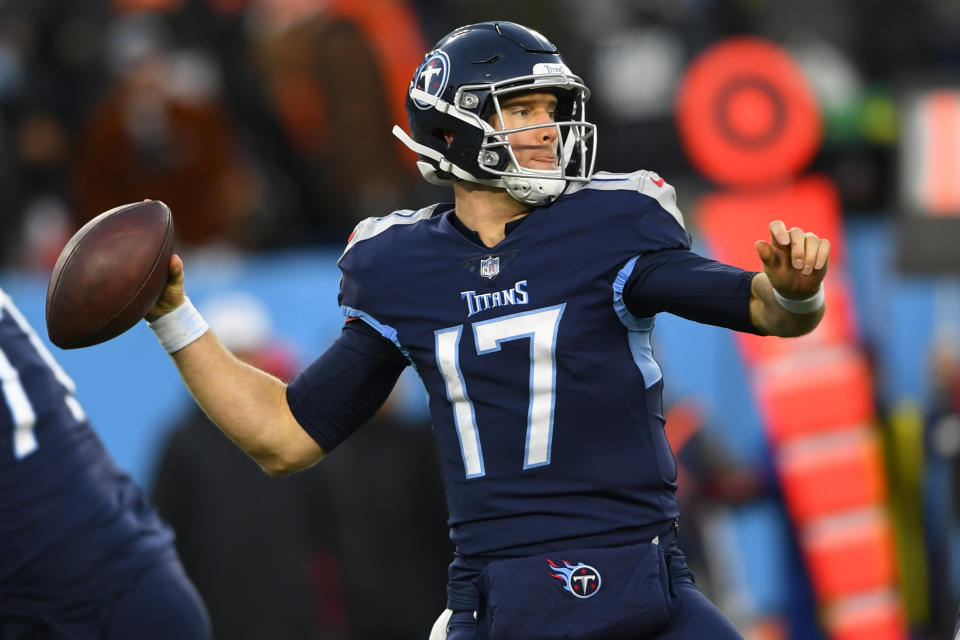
[903, 448]
[878, 117]
[871, 118]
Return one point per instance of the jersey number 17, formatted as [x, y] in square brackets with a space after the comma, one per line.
[540, 326]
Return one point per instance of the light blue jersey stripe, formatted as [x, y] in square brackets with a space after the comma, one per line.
[638, 330]
[385, 330]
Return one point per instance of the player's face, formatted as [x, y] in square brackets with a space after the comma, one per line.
[534, 148]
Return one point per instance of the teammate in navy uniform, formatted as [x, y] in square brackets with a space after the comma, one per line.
[82, 554]
[526, 307]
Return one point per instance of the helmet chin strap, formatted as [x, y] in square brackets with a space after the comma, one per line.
[534, 191]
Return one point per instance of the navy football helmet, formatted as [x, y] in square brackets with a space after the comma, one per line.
[457, 88]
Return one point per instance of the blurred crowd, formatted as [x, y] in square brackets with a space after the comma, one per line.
[265, 124]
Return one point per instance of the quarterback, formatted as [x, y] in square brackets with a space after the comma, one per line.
[526, 306]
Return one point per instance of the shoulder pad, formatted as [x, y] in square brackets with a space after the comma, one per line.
[646, 182]
[374, 226]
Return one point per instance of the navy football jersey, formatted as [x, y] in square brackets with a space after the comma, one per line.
[544, 393]
[74, 529]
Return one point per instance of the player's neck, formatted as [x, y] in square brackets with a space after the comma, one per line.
[486, 210]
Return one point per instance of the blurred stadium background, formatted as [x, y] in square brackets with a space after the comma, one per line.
[264, 124]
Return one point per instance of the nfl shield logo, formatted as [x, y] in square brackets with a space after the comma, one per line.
[490, 266]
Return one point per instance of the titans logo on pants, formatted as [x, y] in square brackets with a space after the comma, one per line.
[580, 579]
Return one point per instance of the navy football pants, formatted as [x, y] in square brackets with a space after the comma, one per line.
[161, 605]
[692, 616]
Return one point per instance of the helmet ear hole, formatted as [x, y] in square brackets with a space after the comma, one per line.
[444, 136]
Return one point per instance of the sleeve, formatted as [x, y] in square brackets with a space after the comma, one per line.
[367, 283]
[690, 286]
[659, 224]
[342, 389]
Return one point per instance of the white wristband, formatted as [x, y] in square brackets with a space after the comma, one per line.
[180, 327]
[807, 305]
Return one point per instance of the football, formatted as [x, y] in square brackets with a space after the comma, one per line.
[109, 274]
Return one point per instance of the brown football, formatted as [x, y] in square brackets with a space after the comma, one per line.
[109, 274]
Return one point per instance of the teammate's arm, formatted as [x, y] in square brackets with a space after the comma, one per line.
[251, 407]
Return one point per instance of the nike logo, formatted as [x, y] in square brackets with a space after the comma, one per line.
[657, 181]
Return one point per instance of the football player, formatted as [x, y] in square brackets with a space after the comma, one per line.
[526, 307]
[82, 553]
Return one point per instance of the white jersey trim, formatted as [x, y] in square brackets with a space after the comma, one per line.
[374, 226]
[646, 182]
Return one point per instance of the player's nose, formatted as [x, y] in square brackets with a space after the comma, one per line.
[548, 133]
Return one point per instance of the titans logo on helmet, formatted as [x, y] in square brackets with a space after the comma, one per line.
[580, 579]
[432, 76]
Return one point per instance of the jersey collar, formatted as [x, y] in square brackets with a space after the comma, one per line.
[473, 236]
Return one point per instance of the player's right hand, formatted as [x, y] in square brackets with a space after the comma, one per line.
[173, 295]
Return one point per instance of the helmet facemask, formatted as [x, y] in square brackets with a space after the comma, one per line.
[575, 156]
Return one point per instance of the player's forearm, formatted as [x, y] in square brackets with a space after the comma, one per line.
[772, 319]
[247, 404]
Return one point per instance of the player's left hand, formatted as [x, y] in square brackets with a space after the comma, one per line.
[795, 261]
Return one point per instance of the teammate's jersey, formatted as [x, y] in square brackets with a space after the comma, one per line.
[74, 529]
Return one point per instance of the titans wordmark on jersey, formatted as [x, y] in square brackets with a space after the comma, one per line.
[543, 389]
